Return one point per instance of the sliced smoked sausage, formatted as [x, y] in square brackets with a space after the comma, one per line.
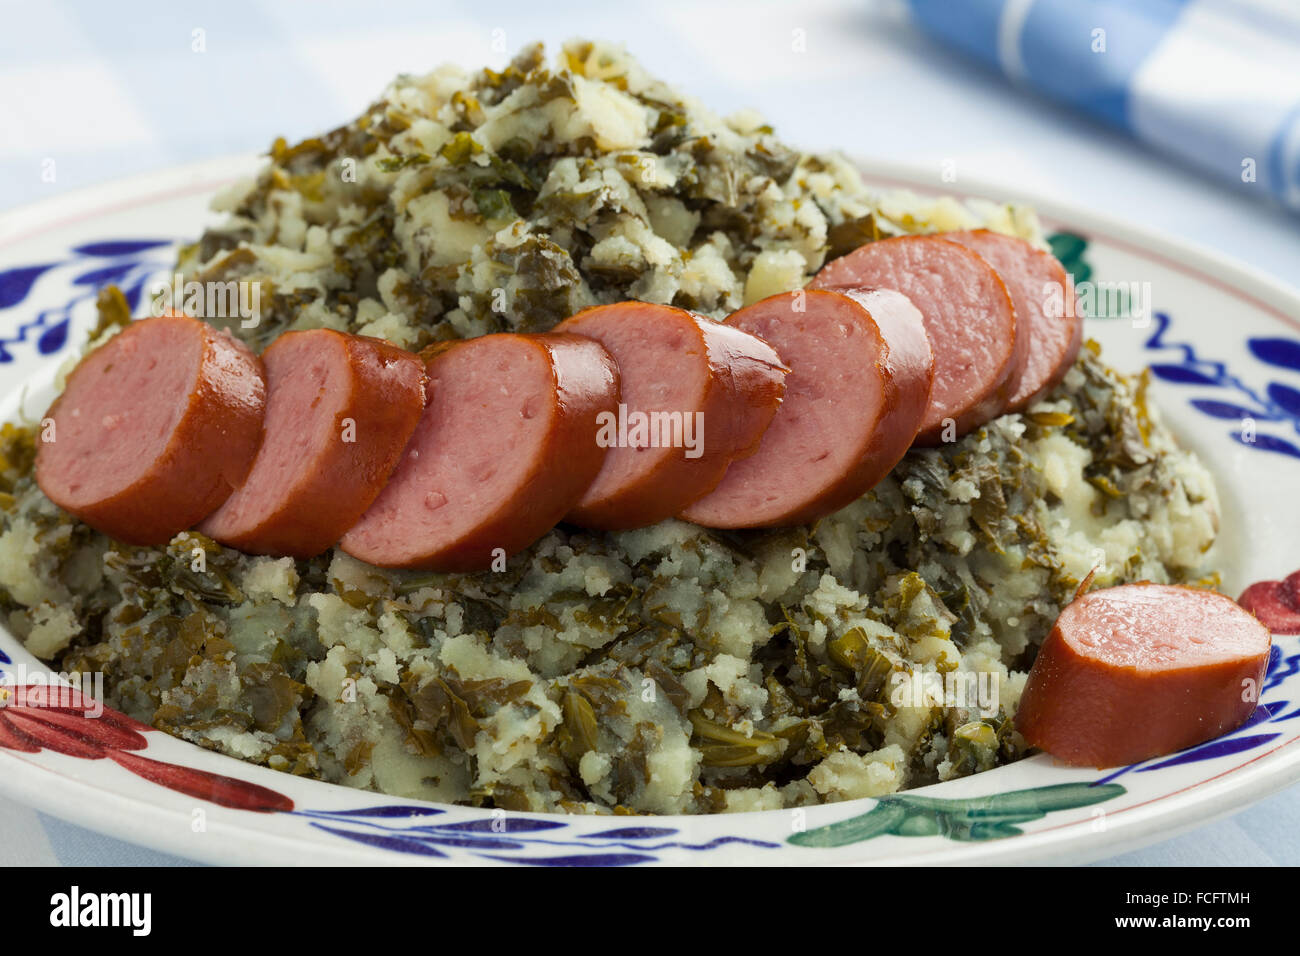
[858, 389]
[967, 313]
[339, 411]
[1140, 671]
[505, 448]
[694, 395]
[154, 430]
[1046, 319]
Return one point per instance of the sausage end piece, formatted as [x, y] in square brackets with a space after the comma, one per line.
[1140, 671]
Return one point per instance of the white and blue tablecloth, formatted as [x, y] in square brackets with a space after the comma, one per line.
[112, 89]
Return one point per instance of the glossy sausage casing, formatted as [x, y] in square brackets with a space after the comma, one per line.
[154, 430]
[712, 387]
[1142, 670]
[968, 316]
[505, 448]
[858, 389]
[340, 410]
[1047, 319]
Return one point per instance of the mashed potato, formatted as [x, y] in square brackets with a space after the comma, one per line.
[664, 670]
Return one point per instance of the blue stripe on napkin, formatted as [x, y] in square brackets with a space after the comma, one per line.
[1057, 49]
[1214, 82]
[970, 27]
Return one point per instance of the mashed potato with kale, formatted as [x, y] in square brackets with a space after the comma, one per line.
[665, 670]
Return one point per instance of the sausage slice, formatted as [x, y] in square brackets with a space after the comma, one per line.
[154, 430]
[1142, 670]
[967, 313]
[505, 448]
[1046, 318]
[858, 389]
[339, 410]
[694, 395]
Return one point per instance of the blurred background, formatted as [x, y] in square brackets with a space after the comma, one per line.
[108, 90]
[1182, 116]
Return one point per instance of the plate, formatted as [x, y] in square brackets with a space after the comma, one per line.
[1223, 344]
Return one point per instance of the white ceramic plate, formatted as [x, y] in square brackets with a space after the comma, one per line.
[1224, 344]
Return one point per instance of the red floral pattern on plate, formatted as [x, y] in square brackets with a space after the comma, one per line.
[37, 717]
[1275, 603]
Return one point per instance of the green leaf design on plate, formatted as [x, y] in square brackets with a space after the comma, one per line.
[1069, 247]
[1094, 302]
[990, 817]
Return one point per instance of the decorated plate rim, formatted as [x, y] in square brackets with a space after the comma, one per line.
[83, 797]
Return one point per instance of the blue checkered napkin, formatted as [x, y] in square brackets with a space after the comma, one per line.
[1214, 82]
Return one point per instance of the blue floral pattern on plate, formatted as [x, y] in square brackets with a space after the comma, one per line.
[500, 837]
[1278, 402]
[128, 263]
[421, 830]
